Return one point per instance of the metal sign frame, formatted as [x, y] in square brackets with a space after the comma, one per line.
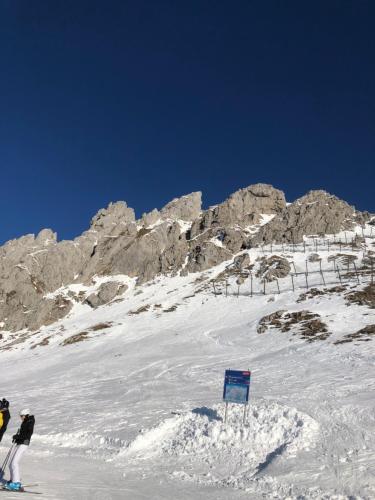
[236, 389]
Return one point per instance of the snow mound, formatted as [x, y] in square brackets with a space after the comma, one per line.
[202, 437]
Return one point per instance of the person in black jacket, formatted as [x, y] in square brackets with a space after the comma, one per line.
[22, 441]
[4, 417]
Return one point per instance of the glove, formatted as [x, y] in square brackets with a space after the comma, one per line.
[15, 437]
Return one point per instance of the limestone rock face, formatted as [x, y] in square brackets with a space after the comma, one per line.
[227, 223]
[317, 212]
[114, 214]
[30, 268]
[106, 293]
[151, 218]
[186, 208]
[241, 261]
[204, 256]
[242, 208]
[273, 267]
[179, 238]
[142, 253]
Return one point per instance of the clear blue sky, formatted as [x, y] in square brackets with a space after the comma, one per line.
[144, 101]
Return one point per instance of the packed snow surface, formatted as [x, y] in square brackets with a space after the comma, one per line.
[132, 409]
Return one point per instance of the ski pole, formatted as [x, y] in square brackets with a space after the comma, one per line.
[2, 470]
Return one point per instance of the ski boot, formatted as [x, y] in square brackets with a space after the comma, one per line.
[13, 487]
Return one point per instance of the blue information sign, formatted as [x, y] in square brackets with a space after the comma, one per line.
[236, 386]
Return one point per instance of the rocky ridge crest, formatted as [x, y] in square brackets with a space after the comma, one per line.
[180, 238]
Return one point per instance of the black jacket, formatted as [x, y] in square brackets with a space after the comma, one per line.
[25, 432]
[6, 418]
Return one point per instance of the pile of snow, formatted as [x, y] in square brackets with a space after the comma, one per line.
[203, 439]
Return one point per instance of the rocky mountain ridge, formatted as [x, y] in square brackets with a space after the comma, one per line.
[180, 238]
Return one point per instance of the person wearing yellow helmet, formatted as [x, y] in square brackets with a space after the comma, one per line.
[4, 417]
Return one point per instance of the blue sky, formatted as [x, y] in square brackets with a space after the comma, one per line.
[148, 100]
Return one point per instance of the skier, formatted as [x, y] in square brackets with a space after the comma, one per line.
[4, 417]
[22, 441]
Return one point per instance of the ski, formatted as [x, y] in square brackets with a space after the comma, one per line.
[21, 491]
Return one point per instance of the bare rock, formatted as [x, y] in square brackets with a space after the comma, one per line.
[45, 237]
[242, 261]
[33, 267]
[114, 214]
[317, 212]
[150, 218]
[305, 324]
[205, 256]
[242, 208]
[314, 257]
[273, 267]
[106, 293]
[365, 297]
[186, 208]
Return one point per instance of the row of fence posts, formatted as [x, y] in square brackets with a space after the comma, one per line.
[306, 274]
[317, 244]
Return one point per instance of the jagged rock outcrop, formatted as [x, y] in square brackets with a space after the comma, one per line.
[205, 256]
[180, 238]
[242, 261]
[317, 212]
[273, 267]
[187, 208]
[242, 208]
[228, 223]
[30, 268]
[114, 214]
[106, 293]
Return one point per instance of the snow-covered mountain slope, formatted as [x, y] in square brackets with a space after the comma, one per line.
[127, 396]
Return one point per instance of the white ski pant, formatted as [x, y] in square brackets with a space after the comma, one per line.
[14, 462]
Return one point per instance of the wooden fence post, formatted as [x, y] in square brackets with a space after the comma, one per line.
[307, 282]
[338, 272]
[322, 274]
[356, 272]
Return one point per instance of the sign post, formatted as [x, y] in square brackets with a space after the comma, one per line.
[236, 389]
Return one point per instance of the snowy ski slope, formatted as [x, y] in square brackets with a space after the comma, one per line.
[130, 407]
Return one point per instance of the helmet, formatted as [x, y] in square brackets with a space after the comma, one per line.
[4, 403]
[24, 412]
